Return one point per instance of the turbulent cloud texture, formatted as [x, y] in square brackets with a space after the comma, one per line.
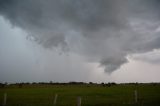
[103, 31]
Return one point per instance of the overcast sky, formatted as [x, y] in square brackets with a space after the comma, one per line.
[80, 40]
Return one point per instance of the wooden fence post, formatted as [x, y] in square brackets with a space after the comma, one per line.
[136, 96]
[79, 101]
[5, 99]
[55, 99]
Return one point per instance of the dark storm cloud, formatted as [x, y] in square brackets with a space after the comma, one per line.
[104, 31]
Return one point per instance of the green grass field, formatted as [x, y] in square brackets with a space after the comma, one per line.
[91, 95]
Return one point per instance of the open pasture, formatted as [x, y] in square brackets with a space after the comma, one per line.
[90, 95]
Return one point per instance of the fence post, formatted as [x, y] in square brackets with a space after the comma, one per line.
[55, 99]
[136, 96]
[5, 99]
[79, 101]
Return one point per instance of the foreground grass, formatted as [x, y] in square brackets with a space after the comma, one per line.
[91, 95]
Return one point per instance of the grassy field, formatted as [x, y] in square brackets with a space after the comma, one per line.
[91, 95]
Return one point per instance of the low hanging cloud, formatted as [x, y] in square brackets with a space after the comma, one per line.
[103, 31]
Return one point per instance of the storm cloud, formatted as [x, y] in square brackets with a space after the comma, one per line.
[104, 31]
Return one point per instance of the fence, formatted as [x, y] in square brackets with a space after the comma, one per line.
[78, 101]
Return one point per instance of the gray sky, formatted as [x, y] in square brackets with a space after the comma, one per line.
[79, 40]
